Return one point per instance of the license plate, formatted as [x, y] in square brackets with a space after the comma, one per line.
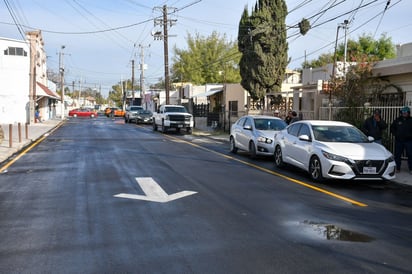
[179, 125]
[369, 170]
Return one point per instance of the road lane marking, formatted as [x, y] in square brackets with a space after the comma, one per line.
[324, 191]
[154, 192]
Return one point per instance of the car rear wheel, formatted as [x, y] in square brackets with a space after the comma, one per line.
[92, 116]
[278, 157]
[252, 150]
[233, 147]
[75, 115]
[315, 169]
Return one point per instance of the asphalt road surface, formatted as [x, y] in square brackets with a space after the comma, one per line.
[101, 196]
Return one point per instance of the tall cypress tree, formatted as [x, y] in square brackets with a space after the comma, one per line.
[262, 42]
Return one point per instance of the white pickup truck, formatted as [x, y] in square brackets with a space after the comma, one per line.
[172, 116]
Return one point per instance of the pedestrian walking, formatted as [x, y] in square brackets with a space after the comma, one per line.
[288, 117]
[294, 117]
[37, 116]
[401, 128]
[374, 126]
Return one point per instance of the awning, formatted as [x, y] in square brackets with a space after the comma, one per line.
[43, 91]
[208, 93]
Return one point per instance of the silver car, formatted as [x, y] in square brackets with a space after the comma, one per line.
[333, 150]
[131, 113]
[254, 134]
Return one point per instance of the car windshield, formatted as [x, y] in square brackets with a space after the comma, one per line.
[175, 109]
[135, 108]
[144, 111]
[269, 124]
[342, 134]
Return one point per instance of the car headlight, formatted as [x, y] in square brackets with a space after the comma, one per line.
[166, 117]
[266, 140]
[334, 157]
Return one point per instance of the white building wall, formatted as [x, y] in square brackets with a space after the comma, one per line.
[14, 83]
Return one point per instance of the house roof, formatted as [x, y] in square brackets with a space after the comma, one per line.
[44, 91]
[208, 93]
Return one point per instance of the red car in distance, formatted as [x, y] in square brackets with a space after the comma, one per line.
[82, 112]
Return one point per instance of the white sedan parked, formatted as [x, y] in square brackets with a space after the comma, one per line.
[333, 150]
[254, 134]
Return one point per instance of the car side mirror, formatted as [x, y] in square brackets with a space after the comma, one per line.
[305, 137]
[248, 127]
[371, 139]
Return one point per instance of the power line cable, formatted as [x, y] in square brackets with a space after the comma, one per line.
[15, 20]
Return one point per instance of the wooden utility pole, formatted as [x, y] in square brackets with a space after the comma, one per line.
[132, 84]
[32, 37]
[61, 68]
[165, 36]
[166, 54]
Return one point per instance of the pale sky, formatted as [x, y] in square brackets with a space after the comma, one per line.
[101, 37]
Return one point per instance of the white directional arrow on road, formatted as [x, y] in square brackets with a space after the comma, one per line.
[154, 192]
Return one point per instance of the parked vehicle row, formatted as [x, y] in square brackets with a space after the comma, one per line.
[325, 149]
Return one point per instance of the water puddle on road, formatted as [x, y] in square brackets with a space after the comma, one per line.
[333, 232]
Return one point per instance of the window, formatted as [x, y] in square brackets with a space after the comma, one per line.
[15, 51]
[294, 129]
[304, 130]
[233, 108]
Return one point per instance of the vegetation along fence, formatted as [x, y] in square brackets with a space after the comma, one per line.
[357, 116]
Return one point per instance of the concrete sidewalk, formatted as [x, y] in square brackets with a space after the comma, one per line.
[23, 136]
[37, 130]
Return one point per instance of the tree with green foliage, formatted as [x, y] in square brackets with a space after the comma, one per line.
[358, 86]
[118, 92]
[366, 46]
[206, 60]
[262, 42]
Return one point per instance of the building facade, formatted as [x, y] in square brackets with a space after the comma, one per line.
[24, 87]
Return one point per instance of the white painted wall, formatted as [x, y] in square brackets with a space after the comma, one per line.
[14, 83]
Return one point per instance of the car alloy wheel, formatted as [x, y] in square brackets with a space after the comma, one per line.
[315, 169]
[278, 157]
[233, 147]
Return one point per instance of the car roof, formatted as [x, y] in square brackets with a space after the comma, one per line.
[324, 123]
[263, 116]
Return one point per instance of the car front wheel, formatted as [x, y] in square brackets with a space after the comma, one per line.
[252, 150]
[233, 147]
[278, 157]
[315, 169]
